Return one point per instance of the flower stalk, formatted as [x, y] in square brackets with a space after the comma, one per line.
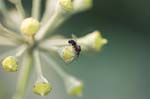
[38, 64]
[21, 50]
[49, 26]
[36, 5]
[49, 10]
[23, 76]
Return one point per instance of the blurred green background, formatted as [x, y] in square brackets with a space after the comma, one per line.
[120, 71]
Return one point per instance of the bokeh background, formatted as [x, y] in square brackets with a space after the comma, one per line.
[120, 71]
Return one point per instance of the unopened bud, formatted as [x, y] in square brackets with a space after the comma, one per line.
[74, 87]
[30, 26]
[92, 41]
[10, 64]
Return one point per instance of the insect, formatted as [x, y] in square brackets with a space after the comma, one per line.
[76, 47]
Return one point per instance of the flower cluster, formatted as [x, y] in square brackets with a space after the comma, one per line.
[29, 37]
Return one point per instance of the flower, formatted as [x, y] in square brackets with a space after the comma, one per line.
[93, 41]
[29, 26]
[34, 45]
[67, 53]
[10, 64]
[42, 88]
[74, 87]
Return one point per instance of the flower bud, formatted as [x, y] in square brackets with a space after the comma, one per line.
[82, 5]
[67, 53]
[93, 41]
[73, 86]
[66, 4]
[30, 26]
[42, 88]
[10, 64]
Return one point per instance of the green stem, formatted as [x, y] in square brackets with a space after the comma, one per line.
[23, 77]
[36, 5]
